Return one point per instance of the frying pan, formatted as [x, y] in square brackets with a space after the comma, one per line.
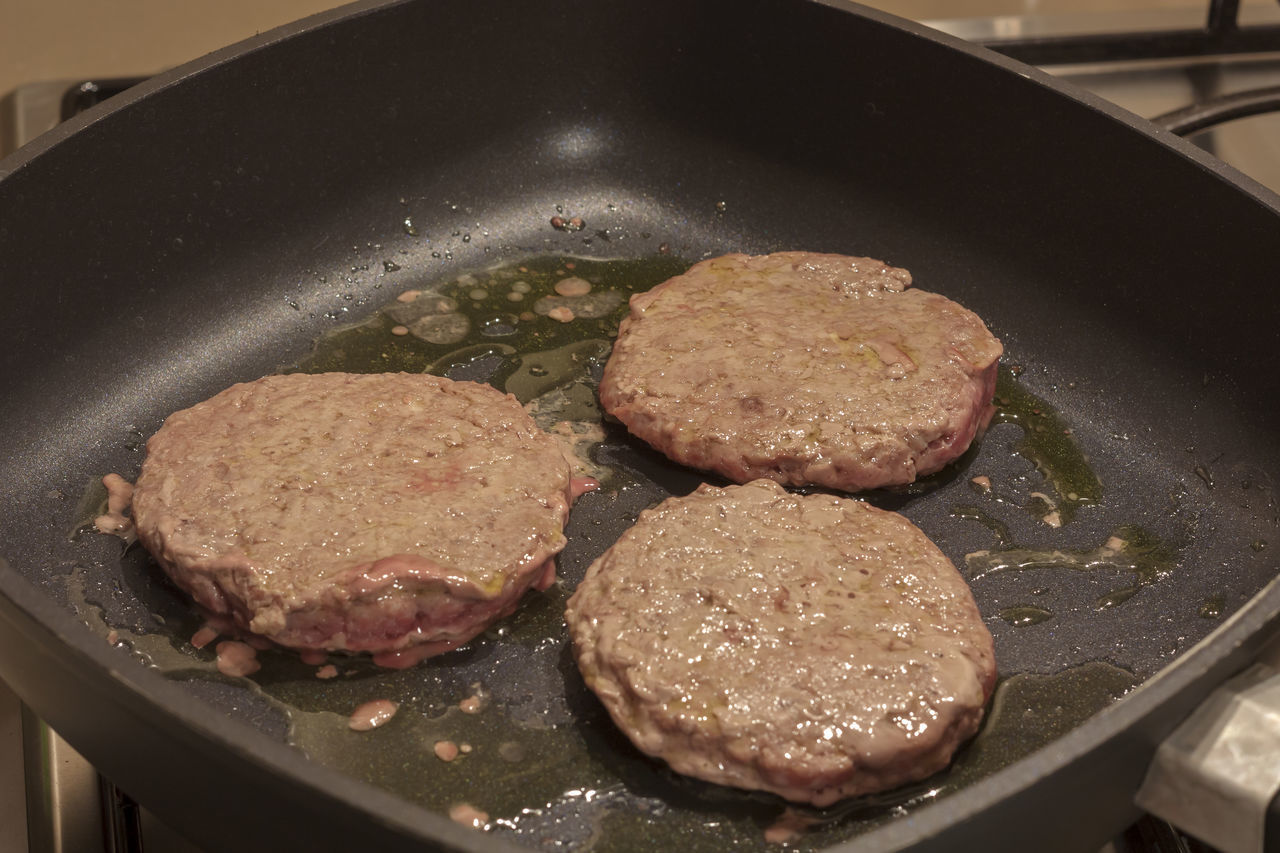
[214, 223]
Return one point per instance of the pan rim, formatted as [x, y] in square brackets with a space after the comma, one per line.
[26, 155]
[251, 746]
[1223, 652]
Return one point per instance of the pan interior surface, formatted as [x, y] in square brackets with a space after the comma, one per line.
[264, 214]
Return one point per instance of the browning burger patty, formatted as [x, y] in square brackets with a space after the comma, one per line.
[812, 646]
[377, 513]
[803, 368]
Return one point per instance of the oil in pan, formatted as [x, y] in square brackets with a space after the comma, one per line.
[503, 735]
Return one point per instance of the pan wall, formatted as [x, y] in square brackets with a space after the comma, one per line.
[208, 230]
[195, 214]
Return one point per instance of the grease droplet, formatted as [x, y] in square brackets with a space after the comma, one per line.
[1025, 614]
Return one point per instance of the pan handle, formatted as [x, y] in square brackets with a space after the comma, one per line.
[1217, 776]
[1197, 117]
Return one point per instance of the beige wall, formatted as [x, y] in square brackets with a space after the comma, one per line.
[58, 39]
[62, 39]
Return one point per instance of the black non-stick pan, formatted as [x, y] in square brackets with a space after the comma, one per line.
[240, 215]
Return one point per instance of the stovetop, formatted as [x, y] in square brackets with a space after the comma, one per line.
[1149, 63]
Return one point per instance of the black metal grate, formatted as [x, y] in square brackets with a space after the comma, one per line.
[1221, 34]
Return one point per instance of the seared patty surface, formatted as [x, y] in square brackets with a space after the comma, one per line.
[377, 513]
[812, 646]
[803, 368]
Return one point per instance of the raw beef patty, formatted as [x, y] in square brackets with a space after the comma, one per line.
[803, 368]
[377, 513]
[812, 646]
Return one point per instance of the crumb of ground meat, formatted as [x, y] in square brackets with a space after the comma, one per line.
[237, 659]
[370, 715]
[468, 815]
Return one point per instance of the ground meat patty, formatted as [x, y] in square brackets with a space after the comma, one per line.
[376, 513]
[803, 368]
[813, 646]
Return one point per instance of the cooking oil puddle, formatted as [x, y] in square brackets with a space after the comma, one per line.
[151, 648]
[515, 314]
[536, 329]
[1131, 558]
[1030, 711]
[576, 786]
[1131, 551]
[535, 758]
[92, 503]
[1049, 443]
[1025, 614]
[1066, 483]
[999, 528]
[1213, 606]
[517, 739]
[539, 783]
